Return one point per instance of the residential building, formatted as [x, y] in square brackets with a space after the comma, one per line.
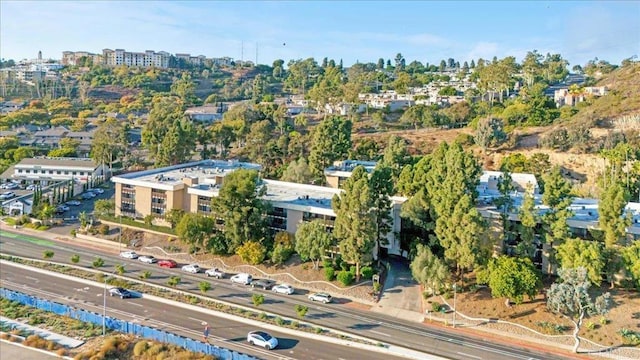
[207, 113]
[47, 170]
[341, 171]
[71, 58]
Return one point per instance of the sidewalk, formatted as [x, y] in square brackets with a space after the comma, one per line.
[65, 341]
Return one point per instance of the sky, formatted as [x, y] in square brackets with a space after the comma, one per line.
[354, 31]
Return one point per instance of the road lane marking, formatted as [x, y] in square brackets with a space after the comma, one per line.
[379, 333]
[32, 278]
[134, 304]
[469, 355]
[198, 320]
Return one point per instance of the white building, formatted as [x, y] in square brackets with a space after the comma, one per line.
[46, 170]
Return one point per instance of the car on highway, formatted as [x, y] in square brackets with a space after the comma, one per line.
[191, 268]
[241, 278]
[120, 292]
[7, 195]
[167, 263]
[263, 339]
[266, 284]
[73, 203]
[129, 255]
[283, 289]
[322, 297]
[215, 272]
[148, 259]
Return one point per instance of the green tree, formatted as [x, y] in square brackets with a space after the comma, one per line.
[532, 67]
[119, 269]
[312, 241]
[586, 254]
[381, 190]
[429, 270]
[109, 142]
[257, 299]
[252, 252]
[631, 260]
[298, 171]
[184, 88]
[195, 229]
[354, 217]
[557, 196]
[204, 286]
[301, 310]
[512, 278]
[490, 133]
[331, 141]
[612, 218]
[571, 298]
[165, 112]
[528, 221]
[174, 216]
[104, 207]
[396, 156]
[75, 258]
[239, 203]
[504, 203]
[47, 254]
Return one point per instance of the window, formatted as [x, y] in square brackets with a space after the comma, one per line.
[204, 205]
[58, 172]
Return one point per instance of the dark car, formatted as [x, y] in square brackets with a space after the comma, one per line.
[167, 263]
[121, 292]
[263, 283]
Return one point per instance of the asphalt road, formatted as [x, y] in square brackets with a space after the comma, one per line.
[185, 322]
[12, 351]
[386, 329]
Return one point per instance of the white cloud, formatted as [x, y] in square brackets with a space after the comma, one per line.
[484, 50]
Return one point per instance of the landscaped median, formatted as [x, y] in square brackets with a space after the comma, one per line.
[212, 307]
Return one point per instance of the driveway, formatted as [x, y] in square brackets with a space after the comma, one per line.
[401, 296]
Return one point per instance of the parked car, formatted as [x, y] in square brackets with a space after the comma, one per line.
[216, 273]
[261, 338]
[167, 263]
[7, 195]
[63, 207]
[121, 292]
[148, 259]
[9, 186]
[129, 255]
[191, 268]
[96, 191]
[283, 289]
[263, 283]
[88, 195]
[322, 297]
[73, 203]
[242, 278]
[31, 187]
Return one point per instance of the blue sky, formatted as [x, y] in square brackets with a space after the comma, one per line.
[364, 31]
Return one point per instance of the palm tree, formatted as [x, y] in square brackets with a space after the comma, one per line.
[47, 212]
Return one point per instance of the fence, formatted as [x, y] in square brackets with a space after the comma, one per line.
[123, 326]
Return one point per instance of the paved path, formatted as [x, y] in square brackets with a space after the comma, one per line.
[45, 334]
[401, 295]
[9, 350]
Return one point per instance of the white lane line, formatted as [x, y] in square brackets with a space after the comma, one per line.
[469, 355]
[198, 320]
[379, 333]
[134, 304]
[32, 278]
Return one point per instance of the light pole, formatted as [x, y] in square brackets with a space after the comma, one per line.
[454, 305]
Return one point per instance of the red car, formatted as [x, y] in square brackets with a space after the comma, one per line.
[167, 263]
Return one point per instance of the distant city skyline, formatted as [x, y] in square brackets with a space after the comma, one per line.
[354, 31]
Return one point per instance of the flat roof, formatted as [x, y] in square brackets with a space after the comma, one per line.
[67, 162]
[302, 197]
[166, 178]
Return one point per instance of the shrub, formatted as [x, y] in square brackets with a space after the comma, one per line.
[367, 272]
[204, 286]
[263, 316]
[376, 287]
[73, 232]
[252, 252]
[345, 278]
[279, 321]
[329, 273]
[591, 325]
[75, 258]
[464, 139]
[98, 262]
[327, 263]
[145, 274]
[281, 253]
[435, 307]
[174, 281]
[318, 330]
[140, 347]
[257, 299]
[603, 321]
[352, 269]
[301, 310]
[48, 254]
[103, 229]
[295, 324]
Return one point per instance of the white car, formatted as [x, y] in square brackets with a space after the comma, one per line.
[191, 268]
[242, 278]
[148, 259]
[88, 195]
[31, 187]
[63, 207]
[73, 203]
[283, 289]
[215, 272]
[129, 255]
[10, 186]
[96, 191]
[322, 297]
[261, 338]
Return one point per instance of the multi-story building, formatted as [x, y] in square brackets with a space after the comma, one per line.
[71, 58]
[191, 187]
[48, 170]
[341, 171]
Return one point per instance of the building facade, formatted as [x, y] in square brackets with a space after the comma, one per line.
[47, 170]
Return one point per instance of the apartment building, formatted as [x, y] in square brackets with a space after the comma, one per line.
[149, 58]
[71, 58]
[191, 187]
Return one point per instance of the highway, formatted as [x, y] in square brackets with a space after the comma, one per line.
[185, 322]
[386, 329]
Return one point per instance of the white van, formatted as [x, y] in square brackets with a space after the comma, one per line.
[242, 278]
